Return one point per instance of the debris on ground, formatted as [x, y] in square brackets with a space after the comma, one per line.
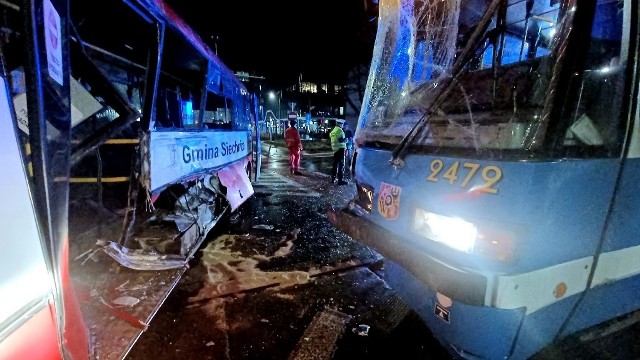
[126, 301]
[362, 330]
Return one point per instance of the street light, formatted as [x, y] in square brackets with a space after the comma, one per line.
[272, 95]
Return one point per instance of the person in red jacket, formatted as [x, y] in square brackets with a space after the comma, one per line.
[292, 138]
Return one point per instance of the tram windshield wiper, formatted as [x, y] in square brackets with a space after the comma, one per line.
[399, 152]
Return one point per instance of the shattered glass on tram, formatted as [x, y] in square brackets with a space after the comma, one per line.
[484, 78]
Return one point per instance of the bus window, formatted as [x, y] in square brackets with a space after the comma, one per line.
[243, 108]
[218, 112]
[182, 77]
[168, 109]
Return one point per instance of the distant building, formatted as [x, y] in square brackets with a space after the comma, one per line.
[317, 98]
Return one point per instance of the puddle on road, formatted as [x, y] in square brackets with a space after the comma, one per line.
[230, 271]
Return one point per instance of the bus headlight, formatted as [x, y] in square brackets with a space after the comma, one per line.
[492, 242]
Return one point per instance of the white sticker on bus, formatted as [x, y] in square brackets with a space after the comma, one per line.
[53, 41]
[175, 155]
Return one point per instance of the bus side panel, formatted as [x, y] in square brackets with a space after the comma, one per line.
[36, 339]
[480, 331]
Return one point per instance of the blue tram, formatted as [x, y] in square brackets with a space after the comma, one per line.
[497, 150]
[124, 138]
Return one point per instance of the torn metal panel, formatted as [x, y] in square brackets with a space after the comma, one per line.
[142, 260]
[83, 105]
[169, 238]
[239, 187]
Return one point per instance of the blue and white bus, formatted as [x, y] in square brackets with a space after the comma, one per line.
[125, 140]
[498, 151]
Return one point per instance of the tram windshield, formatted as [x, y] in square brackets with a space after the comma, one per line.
[498, 78]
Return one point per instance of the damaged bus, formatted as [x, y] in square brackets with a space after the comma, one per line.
[125, 141]
[498, 149]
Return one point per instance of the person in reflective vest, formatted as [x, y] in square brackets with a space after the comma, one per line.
[338, 145]
[294, 145]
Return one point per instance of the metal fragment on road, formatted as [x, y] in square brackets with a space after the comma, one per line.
[140, 260]
[320, 338]
[362, 330]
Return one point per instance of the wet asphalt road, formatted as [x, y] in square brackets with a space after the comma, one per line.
[280, 282]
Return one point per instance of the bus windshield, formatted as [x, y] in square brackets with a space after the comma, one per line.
[498, 78]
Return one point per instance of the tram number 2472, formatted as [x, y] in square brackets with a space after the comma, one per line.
[466, 172]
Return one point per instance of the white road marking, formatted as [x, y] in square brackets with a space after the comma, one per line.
[281, 185]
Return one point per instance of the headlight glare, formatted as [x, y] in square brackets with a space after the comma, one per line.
[494, 242]
[453, 232]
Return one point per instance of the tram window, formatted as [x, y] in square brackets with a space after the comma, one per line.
[513, 47]
[596, 115]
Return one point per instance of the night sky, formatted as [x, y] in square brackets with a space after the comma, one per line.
[282, 39]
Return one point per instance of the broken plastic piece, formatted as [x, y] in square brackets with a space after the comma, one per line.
[362, 330]
[126, 301]
[263, 227]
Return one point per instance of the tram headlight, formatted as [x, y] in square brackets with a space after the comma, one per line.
[453, 232]
[493, 241]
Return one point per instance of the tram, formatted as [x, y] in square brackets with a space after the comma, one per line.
[497, 154]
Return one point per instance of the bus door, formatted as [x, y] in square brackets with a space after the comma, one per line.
[26, 282]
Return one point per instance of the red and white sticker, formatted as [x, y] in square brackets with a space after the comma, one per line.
[53, 41]
[389, 201]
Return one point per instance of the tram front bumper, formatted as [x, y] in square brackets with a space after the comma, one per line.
[470, 329]
[465, 287]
